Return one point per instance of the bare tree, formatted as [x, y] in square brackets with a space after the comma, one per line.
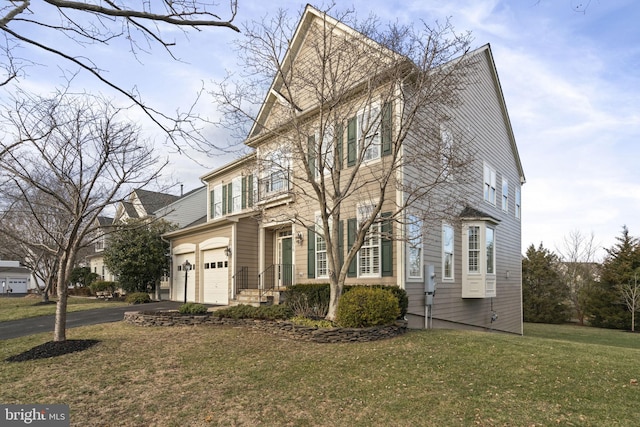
[48, 25]
[25, 240]
[342, 99]
[578, 268]
[75, 158]
[630, 293]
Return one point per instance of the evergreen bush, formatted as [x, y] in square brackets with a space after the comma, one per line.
[138, 298]
[309, 300]
[192, 308]
[365, 306]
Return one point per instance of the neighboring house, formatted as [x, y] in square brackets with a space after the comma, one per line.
[180, 210]
[253, 240]
[14, 278]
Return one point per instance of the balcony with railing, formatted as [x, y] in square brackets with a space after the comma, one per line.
[274, 186]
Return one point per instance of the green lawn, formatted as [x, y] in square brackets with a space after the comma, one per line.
[20, 308]
[205, 376]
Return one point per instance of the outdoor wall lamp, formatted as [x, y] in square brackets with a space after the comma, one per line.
[508, 274]
[186, 266]
[299, 239]
[227, 251]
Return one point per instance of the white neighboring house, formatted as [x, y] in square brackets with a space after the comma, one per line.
[15, 278]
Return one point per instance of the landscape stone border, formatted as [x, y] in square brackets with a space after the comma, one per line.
[280, 328]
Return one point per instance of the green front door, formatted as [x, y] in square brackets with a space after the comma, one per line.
[285, 259]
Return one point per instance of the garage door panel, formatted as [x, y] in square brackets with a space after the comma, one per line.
[178, 278]
[215, 277]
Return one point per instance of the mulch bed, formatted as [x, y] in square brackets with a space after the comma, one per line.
[52, 349]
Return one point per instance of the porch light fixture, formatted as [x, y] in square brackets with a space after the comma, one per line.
[227, 251]
[186, 266]
[299, 239]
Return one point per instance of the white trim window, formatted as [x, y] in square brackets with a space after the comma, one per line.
[369, 131]
[505, 195]
[490, 250]
[473, 249]
[414, 248]
[369, 254]
[236, 191]
[217, 201]
[447, 252]
[276, 171]
[489, 184]
[322, 262]
[518, 209]
[479, 259]
[327, 151]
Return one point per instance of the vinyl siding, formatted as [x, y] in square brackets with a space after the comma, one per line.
[482, 114]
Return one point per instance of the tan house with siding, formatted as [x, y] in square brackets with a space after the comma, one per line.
[263, 231]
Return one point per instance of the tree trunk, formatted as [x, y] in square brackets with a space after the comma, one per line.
[334, 298]
[60, 331]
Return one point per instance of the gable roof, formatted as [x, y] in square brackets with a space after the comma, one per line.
[152, 201]
[274, 94]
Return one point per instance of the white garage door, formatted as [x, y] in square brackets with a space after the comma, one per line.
[215, 277]
[178, 278]
[18, 285]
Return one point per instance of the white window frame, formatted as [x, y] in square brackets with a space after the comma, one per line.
[321, 250]
[236, 194]
[489, 184]
[370, 120]
[217, 201]
[505, 195]
[277, 165]
[448, 252]
[473, 246]
[518, 203]
[370, 253]
[327, 152]
[415, 248]
[479, 259]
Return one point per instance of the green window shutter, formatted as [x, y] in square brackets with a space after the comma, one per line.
[229, 198]
[387, 246]
[311, 154]
[250, 191]
[352, 225]
[211, 203]
[244, 192]
[386, 125]
[351, 141]
[339, 154]
[224, 200]
[311, 253]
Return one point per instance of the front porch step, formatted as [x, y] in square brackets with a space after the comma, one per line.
[252, 297]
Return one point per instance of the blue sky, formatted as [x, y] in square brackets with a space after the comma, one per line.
[570, 77]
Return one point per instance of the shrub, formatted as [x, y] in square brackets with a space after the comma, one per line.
[102, 286]
[309, 300]
[267, 312]
[138, 298]
[313, 323]
[364, 306]
[192, 308]
[398, 292]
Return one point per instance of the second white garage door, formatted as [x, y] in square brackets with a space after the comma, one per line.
[215, 277]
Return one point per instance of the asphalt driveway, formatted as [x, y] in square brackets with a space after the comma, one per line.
[36, 325]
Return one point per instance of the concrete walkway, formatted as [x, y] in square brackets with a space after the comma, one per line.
[36, 325]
